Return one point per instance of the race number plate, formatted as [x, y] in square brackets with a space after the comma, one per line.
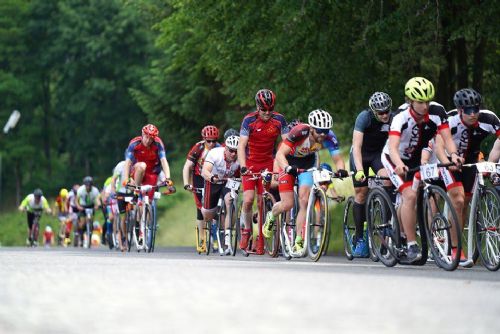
[232, 184]
[321, 176]
[157, 195]
[486, 167]
[128, 199]
[429, 172]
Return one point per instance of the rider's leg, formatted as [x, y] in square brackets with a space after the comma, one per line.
[408, 216]
[359, 210]
[139, 171]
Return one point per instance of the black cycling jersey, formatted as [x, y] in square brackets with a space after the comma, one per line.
[468, 139]
[375, 133]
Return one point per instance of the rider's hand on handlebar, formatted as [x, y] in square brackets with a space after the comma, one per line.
[188, 187]
[292, 170]
[244, 171]
[360, 176]
[401, 169]
[342, 173]
[457, 160]
[169, 182]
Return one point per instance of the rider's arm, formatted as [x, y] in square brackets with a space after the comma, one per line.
[394, 141]
[165, 167]
[77, 202]
[283, 151]
[357, 142]
[126, 170]
[24, 204]
[439, 150]
[338, 161]
[450, 145]
[45, 205]
[206, 171]
[495, 151]
[187, 172]
[242, 156]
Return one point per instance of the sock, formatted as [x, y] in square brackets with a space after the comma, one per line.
[411, 243]
[359, 218]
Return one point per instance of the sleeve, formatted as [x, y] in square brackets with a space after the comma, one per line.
[362, 121]
[194, 153]
[283, 124]
[25, 201]
[396, 125]
[161, 148]
[45, 203]
[443, 117]
[332, 144]
[245, 127]
[129, 153]
[297, 134]
[211, 157]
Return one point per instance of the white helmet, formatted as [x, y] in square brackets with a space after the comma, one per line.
[320, 119]
[48, 229]
[232, 142]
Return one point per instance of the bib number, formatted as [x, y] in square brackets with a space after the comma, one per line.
[429, 172]
[321, 176]
[232, 184]
[487, 167]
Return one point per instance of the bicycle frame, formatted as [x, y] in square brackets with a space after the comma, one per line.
[35, 228]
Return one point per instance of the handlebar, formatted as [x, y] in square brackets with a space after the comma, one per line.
[416, 169]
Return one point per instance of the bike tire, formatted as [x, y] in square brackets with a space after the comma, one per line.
[420, 232]
[220, 230]
[488, 229]
[348, 228]
[208, 236]
[383, 230]
[440, 223]
[272, 244]
[234, 229]
[148, 227]
[154, 230]
[287, 235]
[317, 224]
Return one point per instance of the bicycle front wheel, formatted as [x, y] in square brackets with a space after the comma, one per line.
[383, 226]
[317, 224]
[348, 228]
[488, 229]
[441, 227]
[287, 233]
[148, 226]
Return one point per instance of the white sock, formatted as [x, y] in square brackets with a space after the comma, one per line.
[410, 243]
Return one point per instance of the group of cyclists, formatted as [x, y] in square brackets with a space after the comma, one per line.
[389, 142]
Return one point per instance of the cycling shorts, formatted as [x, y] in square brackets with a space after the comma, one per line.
[372, 160]
[250, 182]
[212, 193]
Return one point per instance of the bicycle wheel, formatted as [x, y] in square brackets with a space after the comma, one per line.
[287, 233]
[154, 229]
[272, 244]
[148, 227]
[317, 224]
[208, 237]
[220, 230]
[441, 224]
[383, 226]
[234, 227]
[348, 228]
[488, 229]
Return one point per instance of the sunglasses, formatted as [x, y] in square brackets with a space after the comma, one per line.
[470, 110]
[265, 111]
[210, 141]
[382, 113]
[322, 131]
[232, 150]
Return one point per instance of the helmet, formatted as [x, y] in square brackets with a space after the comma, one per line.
[230, 132]
[467, 97]
[320, 119]
[210, 132]
[265, 99]
[232, 142]
[380, 101]
[48, 229]
[96, 224]
[38, 192]
[63, 193]
[326, 166]
[88, 180]
[150, 130]
[419, 89]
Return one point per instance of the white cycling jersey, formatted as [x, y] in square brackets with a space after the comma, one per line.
[414, 137]
[85, 198]
[222, 168]
[118, 173]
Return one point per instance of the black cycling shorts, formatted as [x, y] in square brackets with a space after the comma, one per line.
[369, 160]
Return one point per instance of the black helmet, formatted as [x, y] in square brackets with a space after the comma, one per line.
[230, 132]
[38, 192]
[380, 101]
[265, 99]
[467, 97]
[88, 181]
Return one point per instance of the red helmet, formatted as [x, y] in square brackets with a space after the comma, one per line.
[265, 99]
[150, 130]
[210, 132]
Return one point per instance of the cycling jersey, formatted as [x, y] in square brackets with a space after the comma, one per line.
[262, 136]
[118, 173]
[222, 168]
[414, 136]
[30, 204]
[300, 144]
[137, 152]
[468, 139]
[87, 199]
[197, 155]
[62, 205]
[375, 133]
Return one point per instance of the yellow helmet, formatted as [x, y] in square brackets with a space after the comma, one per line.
[63, 193]
[419, 89]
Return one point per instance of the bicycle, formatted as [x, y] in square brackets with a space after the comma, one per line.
[435, 215]
[270, 245]
[143, 227]
[35, 228]
[317, 229]
[349, 226]
[482, 233]
[220, 219]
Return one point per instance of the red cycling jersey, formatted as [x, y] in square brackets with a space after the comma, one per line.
[151, 155]
[197, 155]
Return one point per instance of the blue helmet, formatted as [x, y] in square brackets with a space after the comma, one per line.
[326, 166]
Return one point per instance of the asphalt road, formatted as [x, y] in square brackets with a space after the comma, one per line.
[177, 291]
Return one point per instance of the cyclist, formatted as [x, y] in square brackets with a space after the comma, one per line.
[61, 208]
[119, 189]
[368, 139]
[409, 133]
[73, 210]
[469, 125]
[147, 153]
[220, 164]
[87, 197]
[48, 237]
[258, 134]
[191, 172]
[298, 151]
[31, 203]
